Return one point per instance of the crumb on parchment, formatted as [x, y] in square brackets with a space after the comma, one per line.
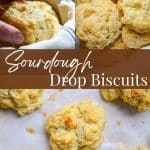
[30, 130]
[44, 114]
[118, 122]
[52, 97]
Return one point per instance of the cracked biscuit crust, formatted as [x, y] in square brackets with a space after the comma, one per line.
[99, 23]
[135, 40]
[77, 126]
[139, 98]
[36, 20]
[23, 101]
[136, 14]
[118, 44]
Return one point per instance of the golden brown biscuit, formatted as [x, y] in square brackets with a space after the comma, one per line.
[35, 19]
[136, 14]
[83, 11]
[99, 23]
[85, 1]
[111, 94]
[135, 40]
[21, 100]
[135, 148]
[139, 98]
[118, 44]
[77, 126]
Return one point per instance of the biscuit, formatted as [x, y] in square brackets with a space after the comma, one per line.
[23, 101]
[83, 11]
[99, 23]
[118, 44]
[77, 126]
[136, 14]
[135, 40]
[111, 94]
[135, 148]
[139, 98]
[85, 1]
[36, 20]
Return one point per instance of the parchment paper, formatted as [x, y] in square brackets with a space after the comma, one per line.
[125, 125]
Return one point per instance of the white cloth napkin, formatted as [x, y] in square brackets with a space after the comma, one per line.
[146, 47]
[66, 10]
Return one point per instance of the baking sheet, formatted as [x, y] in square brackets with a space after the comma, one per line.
[134, 128]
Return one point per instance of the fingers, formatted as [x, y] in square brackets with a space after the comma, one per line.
[10, 34]
[5, 1]
[9, 1]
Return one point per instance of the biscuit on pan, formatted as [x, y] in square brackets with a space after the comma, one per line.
[101, 26]
[135, 40]
[135, 148]
[78, 126]
[111, 94]
[23, 101]
[136, 14]
[36, 20]
[139, 98]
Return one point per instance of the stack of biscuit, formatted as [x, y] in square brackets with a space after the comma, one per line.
[116, 24]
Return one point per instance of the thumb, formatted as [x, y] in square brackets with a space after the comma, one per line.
[10, 34]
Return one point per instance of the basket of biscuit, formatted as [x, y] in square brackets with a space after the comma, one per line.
[25, 22]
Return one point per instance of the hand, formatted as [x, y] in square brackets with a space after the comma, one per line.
[9, 1]
[9, 33]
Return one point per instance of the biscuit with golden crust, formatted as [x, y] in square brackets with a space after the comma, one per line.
[87, 1]
[23, 101]
[36, 20]
[78, 126]
[135, 148]
[118, 44]
[136, 14]
[139, 98]
[111, 94]
[99, 23]
[135, 40]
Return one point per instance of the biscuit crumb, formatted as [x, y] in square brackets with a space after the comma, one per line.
[52, 97]
[118, 122]
[44, 114]
[30, 130]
